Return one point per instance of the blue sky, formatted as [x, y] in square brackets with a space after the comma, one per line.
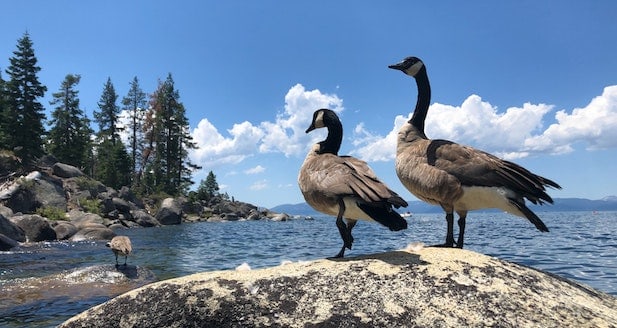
[531, 81]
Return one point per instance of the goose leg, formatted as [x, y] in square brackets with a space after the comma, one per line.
[350, 225]
[461, 229]
[450, 232]
[125, 260]
[343, 230]
[116, 258]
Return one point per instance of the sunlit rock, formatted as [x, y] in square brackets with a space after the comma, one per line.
[432, 287]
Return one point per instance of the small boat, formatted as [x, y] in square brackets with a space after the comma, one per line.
[406, 214]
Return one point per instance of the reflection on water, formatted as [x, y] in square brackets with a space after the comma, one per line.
[579, 246]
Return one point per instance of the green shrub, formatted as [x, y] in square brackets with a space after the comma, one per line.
[51, 213]
[91, 205]
[85, 183]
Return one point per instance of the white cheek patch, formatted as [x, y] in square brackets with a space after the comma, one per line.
[414, 69]
[319, 120]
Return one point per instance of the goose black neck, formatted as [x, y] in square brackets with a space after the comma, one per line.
[424, 100]
[333, 141]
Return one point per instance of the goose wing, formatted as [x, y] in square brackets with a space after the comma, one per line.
[474, 167]
[339, 176]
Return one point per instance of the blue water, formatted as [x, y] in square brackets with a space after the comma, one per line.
[580, 246]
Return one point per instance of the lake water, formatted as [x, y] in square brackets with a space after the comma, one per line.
[579, 246]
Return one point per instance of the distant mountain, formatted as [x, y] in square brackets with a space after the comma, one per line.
[608, 203]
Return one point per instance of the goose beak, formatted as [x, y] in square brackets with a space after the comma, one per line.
[310, 128]
[400, 66]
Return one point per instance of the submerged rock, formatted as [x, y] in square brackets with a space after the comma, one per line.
[77, 285]
[434, 287]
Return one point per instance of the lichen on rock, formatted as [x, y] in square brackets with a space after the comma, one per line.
[433, 287]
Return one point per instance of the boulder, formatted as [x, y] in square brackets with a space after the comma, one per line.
[254, 215]
[64, 230]
[66, 171]
[431, 287]
[170, 212]
[11, 230]
[48, 192]
[241, 209]
[230, 217]
[36, 227]
[121, 205]
[7, 212]
[280, 217]
[126, 194]
[7, 243]
[144, 219]
[93, 232]
[81, 219]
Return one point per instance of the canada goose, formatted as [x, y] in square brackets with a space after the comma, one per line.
[460, 178]
[120, 245]
[345, 186]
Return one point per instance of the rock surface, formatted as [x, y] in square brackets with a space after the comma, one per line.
[170, 212]
[428, 287]
[102, 281]
[36, 227]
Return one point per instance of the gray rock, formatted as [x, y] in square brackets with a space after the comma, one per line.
[11, 230]
[7, 212]
[66, 171]
[7, 243]
[94, 232]
[434, 287]
[121, 205]
[280, 217]
[64, 230]
[230, 217]
[144, 219]
[36, 227]
[170, 212]
[240, 209]
[48, 192]
[81, 219]
[254, 215]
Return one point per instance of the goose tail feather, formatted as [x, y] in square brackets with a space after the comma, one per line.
[384, 215]
[531, 216]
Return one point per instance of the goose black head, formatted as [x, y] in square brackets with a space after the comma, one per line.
[410, 66]
[323, 118]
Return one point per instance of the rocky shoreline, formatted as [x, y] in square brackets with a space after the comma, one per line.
[59, 202]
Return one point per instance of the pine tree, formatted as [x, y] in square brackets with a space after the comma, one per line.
[107, 118]
[112, 166]
[168, 139]
[69, 136]
[4, 118]
[208, 188]
[23, 113]
[135, 104]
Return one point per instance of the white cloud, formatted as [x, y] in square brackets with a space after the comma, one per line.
[514, 133]
[259, 185]
[214, 149]
[255, 170]
[285, 134]
[374, 147]
[595, 125]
